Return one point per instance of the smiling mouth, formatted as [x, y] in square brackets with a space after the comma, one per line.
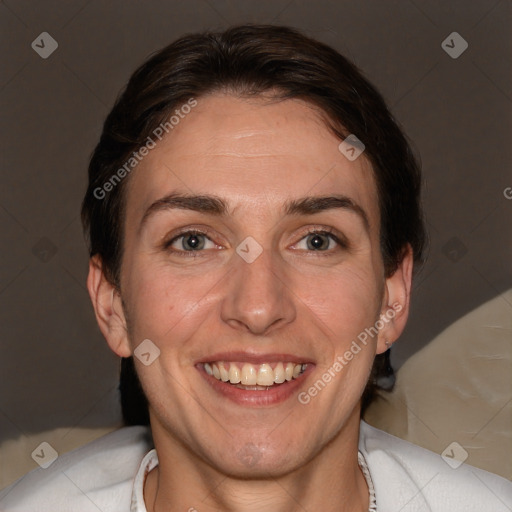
[254, 377]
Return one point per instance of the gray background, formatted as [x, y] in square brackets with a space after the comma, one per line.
[56, 369]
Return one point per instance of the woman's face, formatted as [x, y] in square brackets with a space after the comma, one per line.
[252, 243]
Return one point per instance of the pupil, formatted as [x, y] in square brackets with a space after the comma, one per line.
[193, 241]
[316, 242]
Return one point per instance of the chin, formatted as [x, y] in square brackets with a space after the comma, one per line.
[249, 463]
[253, 459]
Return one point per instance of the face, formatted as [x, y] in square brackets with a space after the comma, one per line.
[252, 252]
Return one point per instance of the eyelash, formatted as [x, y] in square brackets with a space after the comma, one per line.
[312, 231]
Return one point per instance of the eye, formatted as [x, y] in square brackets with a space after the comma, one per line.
[195, 241]
[190, 241]
[318, 241]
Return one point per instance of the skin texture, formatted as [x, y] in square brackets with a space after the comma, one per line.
[216, 454]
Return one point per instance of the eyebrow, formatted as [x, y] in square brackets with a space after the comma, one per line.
[213, 205]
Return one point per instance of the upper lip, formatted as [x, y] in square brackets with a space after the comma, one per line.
[254, 358]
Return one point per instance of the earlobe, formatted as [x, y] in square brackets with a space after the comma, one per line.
[108, 308]
[395, 311]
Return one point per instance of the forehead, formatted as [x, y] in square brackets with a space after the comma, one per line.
[249, 151]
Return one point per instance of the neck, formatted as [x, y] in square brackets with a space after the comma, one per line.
[331, 481]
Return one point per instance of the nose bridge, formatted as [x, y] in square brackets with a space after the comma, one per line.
[257, 298]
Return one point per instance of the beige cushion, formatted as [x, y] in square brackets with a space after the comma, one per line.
[458, 388]
[15, 454]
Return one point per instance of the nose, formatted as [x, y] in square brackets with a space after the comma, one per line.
[257, 298]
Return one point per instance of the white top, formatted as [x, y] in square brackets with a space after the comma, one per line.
[108, 475]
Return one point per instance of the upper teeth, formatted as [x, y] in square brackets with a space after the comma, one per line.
[251, 375]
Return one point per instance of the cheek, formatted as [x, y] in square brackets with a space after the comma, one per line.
[347, 302]
[163, 300]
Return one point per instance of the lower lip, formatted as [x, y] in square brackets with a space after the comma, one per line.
[265, 397]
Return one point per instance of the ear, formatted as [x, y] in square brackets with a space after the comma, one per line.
[395, 308]
[108, 308]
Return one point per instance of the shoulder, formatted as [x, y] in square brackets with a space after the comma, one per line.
[409, 478]
[97, 476]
